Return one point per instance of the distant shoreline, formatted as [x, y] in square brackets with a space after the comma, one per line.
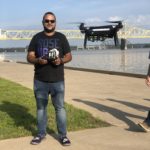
[74, 47]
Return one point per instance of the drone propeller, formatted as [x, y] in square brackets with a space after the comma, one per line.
[75, 23]
[119, 21]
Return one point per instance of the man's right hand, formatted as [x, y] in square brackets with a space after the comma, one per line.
[32, 59]
[42, 61]
[148, 81]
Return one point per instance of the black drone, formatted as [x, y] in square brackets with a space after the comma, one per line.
[100, 33]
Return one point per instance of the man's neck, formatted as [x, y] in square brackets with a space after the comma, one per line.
[49, 34]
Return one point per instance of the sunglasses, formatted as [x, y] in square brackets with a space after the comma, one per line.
[49, 21]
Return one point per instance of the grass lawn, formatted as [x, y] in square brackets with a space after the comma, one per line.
[18, 113]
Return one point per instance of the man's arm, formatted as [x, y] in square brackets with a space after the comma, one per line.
[148, 77]
[31, 58]
[147, 80]
[67, 57]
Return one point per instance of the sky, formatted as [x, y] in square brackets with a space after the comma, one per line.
[27, 14]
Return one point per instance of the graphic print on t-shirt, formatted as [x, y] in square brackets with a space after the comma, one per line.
[44, 45]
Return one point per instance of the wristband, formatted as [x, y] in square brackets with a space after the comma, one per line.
[37, 61]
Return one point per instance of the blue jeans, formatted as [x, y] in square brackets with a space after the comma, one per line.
[42, 90]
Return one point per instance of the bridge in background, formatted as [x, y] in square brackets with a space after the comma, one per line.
[127, 32]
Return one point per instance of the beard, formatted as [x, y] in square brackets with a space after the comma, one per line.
[49, 30]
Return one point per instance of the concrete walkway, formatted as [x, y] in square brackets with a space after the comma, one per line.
[119, 100]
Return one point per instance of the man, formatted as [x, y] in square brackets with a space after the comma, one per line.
[146, 123]
[48, 51]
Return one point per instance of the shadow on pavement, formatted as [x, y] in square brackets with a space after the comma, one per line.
[132, 105]
[121, 115]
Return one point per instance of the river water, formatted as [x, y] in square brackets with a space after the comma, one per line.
[129, 61]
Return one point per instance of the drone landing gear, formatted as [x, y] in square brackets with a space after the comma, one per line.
[85, 41]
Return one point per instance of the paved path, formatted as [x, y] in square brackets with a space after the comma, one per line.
[119, 100]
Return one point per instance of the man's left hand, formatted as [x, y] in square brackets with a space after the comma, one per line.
[57, 61]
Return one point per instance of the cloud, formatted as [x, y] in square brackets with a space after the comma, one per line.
[135, 20]
[140, 20]
[95, 20]
[115, 18]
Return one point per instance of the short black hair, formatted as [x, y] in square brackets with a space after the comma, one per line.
[49, 13]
